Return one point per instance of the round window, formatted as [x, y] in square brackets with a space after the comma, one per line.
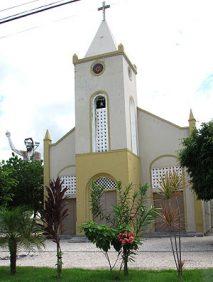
[97, 68]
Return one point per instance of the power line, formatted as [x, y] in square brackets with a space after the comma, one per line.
[20, 5]
[35, 11]
[34, 27]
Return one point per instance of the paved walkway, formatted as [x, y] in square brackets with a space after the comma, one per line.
[153, 254]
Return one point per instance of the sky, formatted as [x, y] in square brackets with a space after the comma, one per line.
[170, 41]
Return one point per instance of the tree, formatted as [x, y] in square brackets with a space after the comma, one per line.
[17, 228]
[54, 214]
[7, 184]
[197, 157]
[124, 226]
[21, 184]
[170, 213]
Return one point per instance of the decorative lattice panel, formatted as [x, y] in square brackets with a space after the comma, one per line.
[106, 182]
[70, 183]
[159, 173]
[101, 134]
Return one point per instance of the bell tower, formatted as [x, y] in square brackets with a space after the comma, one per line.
[106, 134]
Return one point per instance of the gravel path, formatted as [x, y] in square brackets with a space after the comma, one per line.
[153, 254]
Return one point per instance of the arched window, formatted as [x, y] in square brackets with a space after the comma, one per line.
[106, 182]
[109, 197]
[133, 126]
[100, 124]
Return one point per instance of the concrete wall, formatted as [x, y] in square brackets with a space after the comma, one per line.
[159, 143]
[130, 92]
[62, 156]
[113, 82]
[157, 138]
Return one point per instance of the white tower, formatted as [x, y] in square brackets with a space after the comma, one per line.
[105, 97]
[106, 120]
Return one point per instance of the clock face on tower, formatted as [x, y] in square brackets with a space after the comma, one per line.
[98, 68]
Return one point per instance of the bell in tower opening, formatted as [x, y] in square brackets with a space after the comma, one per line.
[100, 103]
[100, 123]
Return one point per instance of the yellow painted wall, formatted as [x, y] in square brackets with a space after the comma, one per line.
[198, 206]
[47, 143]
[120, 164]
[134, 169]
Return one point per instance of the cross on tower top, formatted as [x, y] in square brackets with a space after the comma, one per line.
[103, 8]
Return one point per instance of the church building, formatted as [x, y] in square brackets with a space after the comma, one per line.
[114, 139]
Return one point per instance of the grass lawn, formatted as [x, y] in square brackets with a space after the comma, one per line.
[48, 274]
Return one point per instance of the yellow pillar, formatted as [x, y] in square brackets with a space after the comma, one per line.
[47, 143]
[198, 205]
[192, 122]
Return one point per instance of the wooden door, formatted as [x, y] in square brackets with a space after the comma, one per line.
[108, 200]
[160, 202]
[69, 224]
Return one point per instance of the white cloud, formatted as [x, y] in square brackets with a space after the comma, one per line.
[169, 41]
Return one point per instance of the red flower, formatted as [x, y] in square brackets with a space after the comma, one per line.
[126, 237]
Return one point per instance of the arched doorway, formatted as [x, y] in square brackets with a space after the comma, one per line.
[158, 169]
[69, 223]
[109, 198]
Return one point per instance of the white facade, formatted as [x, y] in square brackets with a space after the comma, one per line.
[120, 125]
[118, 89]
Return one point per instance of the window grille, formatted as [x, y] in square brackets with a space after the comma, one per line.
[69, 182]
[106, 182]
[159, 173]
[101, 134]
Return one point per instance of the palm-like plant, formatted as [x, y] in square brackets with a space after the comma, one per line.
[171, 216]
[17, 228]
[55, 212]
[129, 218]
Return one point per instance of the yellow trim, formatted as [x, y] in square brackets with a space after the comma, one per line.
[91, 105]
[119, 164]
[192, 126]
[110, 151]
[192, 122]
[162, 119]
[106, 55]
[63, 137]
[75, 59]
[47, 143]
[198, 206]
[184, 198]
[120, 47]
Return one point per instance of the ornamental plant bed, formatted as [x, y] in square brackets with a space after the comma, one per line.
[77, 275]
[123, 227]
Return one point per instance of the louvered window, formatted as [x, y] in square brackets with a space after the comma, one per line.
[100, 123]
[69, 182]
[106, 182]
[159, 173]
